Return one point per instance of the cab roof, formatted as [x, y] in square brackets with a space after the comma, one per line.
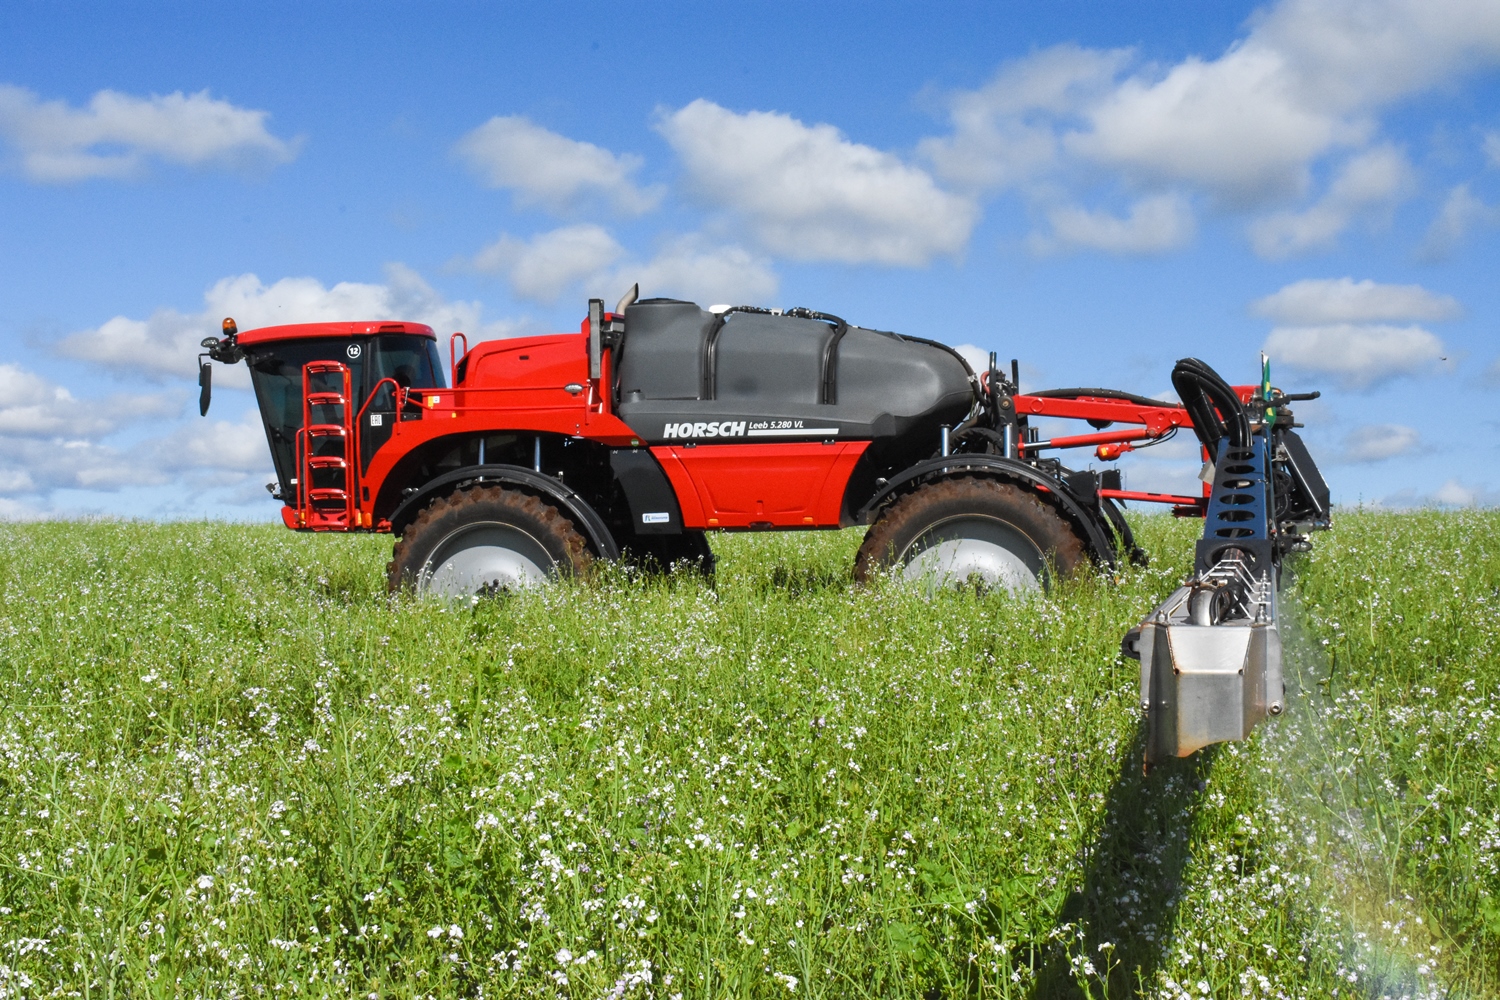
[302, 331]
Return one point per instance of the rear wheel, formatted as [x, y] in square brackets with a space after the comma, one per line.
[483, 541]
[958, 531]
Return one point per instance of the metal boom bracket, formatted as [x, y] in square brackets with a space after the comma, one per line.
[1211, 652]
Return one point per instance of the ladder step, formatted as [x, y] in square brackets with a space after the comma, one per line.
[325, 399]
[327, 494]
[326, 462]
[326, 430]
[324, 366]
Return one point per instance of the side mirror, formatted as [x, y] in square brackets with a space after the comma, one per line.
[596, 336]
[205, 385]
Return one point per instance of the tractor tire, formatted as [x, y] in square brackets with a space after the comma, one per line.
[663, 553]
[483, 541]
[955, 531]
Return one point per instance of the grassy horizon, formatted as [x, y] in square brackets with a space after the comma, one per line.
[235, 767]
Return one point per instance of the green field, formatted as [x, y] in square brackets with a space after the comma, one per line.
[234, 767]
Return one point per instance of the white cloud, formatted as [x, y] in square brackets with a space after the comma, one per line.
[32, 407]
[37, 466]
[1004, 132]
[166, 344]
[977, 357]
[542, 167]
[115, 134]
[51, 440]
[1315, 301]
[1452, 493]
[689, 268]
[1492, 148]
[1461, 213]
[223, 446]
[1455, 494]
[543, 268]
[1367, 188]
[587, 258]
[1378, 442]
[1306, 82]
[808, 193]
[1356, 356]
[1155, 224]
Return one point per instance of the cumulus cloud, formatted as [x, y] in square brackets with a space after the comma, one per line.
[1356, 356]
[810, 194]
[1305, 83]
[1155, 224]
[236, 447]
[688, 267]
[1378, 442]
[1305, 80]
[32, 407]
[165, 345]
[1006, 132]
[52, 440]
[543, 268]
[1452, 493]
[1461, 213]
[116, 135]
[543, 168]
[1367, 188]
[1315, 301]
[586, 258]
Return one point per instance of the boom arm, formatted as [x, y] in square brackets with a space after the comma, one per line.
[1211, 652]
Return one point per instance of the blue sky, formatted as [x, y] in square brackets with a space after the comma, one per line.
[1095, 189]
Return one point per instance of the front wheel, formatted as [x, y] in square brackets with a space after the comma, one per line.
[485, 540]
[957, 531]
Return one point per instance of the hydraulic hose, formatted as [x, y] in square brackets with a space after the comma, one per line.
[1215, 408]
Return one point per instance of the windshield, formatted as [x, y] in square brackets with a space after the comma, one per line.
[276, 371]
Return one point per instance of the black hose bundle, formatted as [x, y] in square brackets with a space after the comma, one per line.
[1214, 406]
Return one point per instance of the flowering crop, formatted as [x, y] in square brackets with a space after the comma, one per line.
[232, 766]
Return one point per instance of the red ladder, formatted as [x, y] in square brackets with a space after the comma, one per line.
[326, 452]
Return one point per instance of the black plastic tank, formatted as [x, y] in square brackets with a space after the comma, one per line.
[780, 374]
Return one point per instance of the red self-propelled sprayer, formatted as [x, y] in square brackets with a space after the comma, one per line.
[660, 421]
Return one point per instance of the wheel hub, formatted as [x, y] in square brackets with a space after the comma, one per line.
[484, 558]
[975, 548]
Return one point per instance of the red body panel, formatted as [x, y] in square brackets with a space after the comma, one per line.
[760, 485]
[302, 331]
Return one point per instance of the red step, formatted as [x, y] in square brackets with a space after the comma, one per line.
[326, 430]
[326, 462]
[322, 495]
[325, 399]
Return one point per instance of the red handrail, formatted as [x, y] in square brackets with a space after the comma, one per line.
[453, 357]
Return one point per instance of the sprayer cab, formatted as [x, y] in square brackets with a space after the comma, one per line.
[364, 365]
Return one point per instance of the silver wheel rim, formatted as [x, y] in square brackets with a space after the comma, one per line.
[974, 548]
[481, 559]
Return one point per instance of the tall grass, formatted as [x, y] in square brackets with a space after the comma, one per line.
[234, 767]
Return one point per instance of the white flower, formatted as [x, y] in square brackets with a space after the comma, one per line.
[563, 956]
[205, 882]
[435, 933]
[455, 932]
